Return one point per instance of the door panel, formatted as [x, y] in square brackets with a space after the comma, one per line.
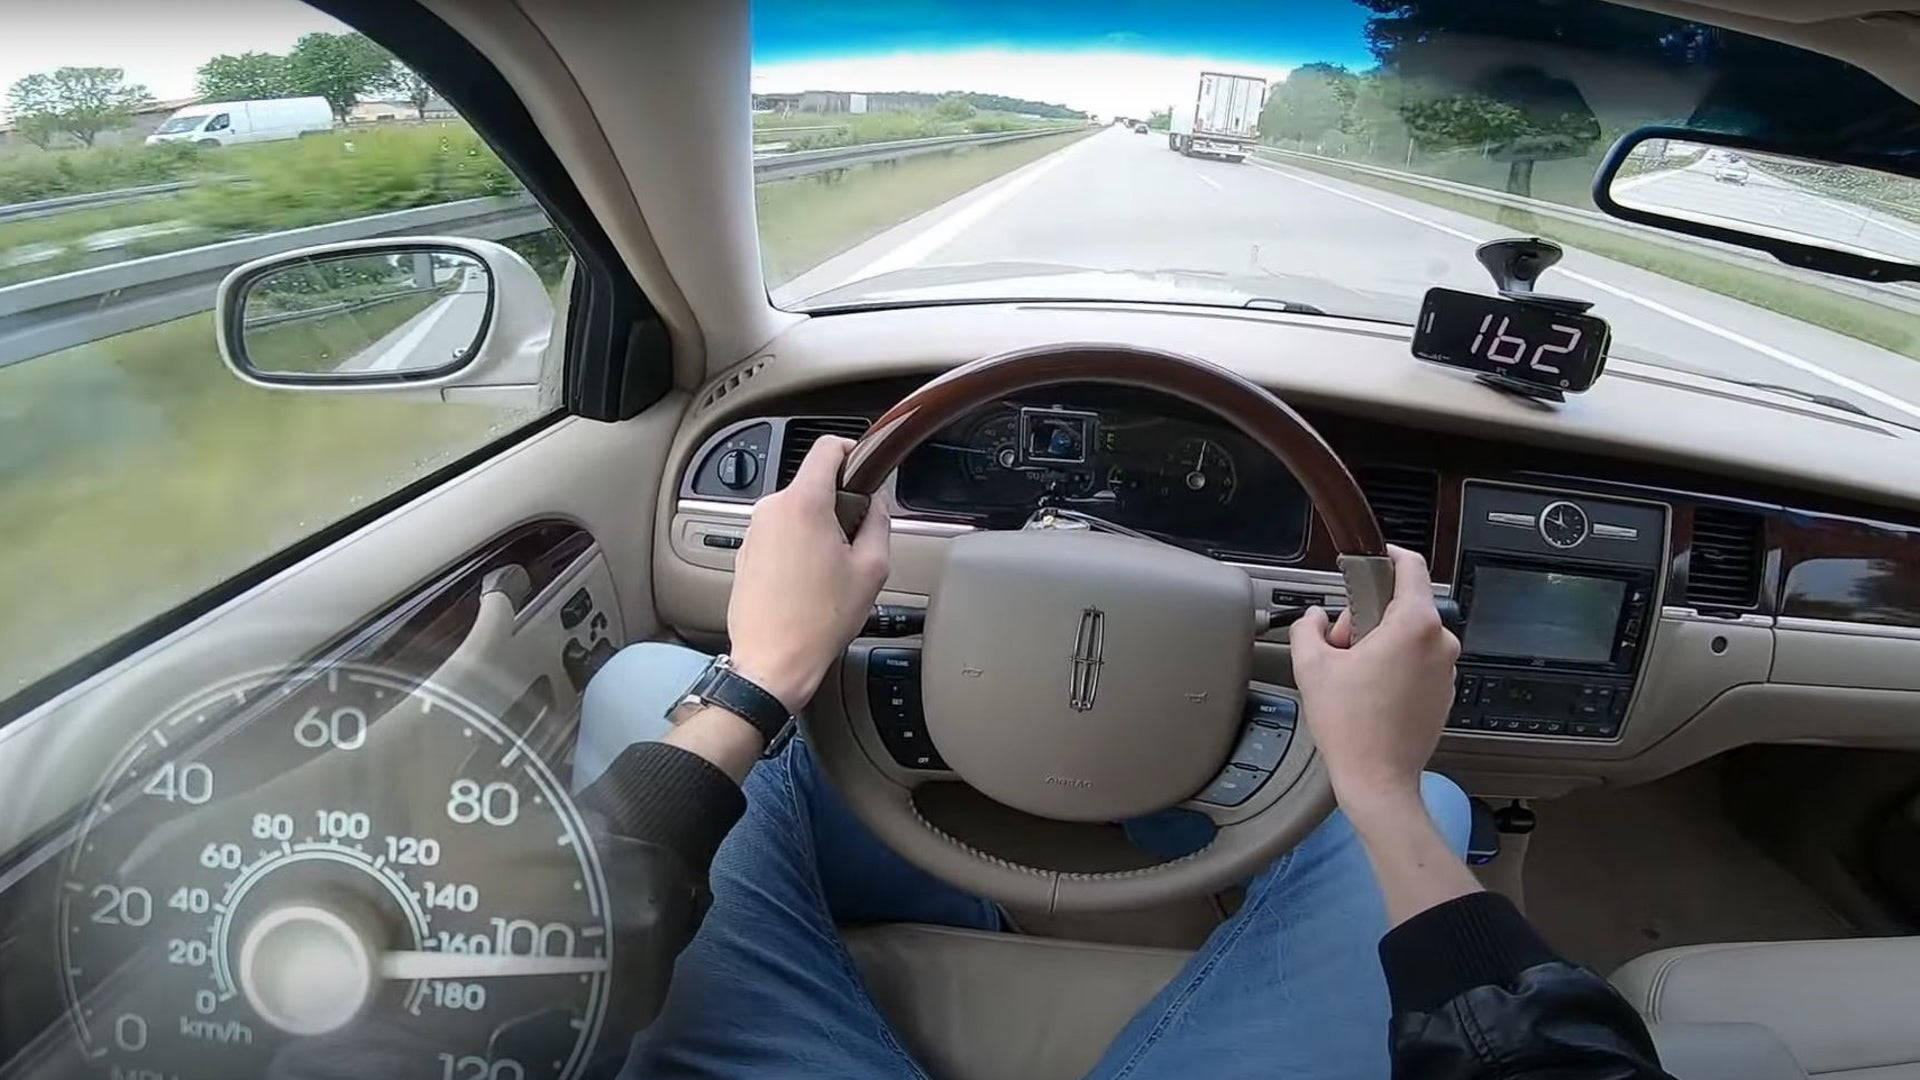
[473, 586]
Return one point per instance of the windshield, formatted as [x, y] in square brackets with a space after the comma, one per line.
[1330, 157]
[177, 124]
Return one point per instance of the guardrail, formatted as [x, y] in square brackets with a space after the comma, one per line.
[59, 312]
[803, 162]
[61, 204]
[1901, 296]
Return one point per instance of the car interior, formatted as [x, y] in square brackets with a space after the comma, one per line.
[1687, 605]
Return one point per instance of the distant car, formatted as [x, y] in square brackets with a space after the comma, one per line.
[1731, 172]
[1139, 128]
[224, 123]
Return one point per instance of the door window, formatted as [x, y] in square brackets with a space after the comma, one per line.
[136, 470]
[220, 122]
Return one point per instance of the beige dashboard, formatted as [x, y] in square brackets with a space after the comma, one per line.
[1801, 663]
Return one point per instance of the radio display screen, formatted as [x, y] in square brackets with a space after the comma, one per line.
[1543, 615]
[1557, 349]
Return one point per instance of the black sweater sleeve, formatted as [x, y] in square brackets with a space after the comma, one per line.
[661, 813]
[1477, 993]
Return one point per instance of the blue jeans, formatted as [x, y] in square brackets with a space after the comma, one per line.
[1289, 986]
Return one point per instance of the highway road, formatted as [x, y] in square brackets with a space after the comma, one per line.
[434, 337]
[1773, 202]
[1122, 201]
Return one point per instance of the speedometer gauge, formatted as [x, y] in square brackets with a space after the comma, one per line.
[337, 872]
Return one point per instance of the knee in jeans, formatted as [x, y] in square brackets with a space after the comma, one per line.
[1447, 805]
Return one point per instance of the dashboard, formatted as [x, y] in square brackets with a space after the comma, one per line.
[1148, 465]
[1754, 602]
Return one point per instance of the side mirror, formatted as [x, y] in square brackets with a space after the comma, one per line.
[446, 314]
[1838, 217]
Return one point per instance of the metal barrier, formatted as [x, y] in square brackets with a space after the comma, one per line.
[64, 310]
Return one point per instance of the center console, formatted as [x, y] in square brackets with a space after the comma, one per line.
[1556, 590]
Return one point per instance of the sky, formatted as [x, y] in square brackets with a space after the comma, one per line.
[1108, 57]
[1126, 57]
[160, 44]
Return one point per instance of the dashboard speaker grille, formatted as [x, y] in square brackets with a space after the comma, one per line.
[1723, 569]
[800, 436]
[1403, 501]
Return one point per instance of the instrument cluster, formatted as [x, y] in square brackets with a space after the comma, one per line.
[1187, 481]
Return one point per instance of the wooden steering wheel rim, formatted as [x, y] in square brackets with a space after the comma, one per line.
[1255, 411]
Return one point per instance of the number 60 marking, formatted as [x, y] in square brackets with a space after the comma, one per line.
[344, 729]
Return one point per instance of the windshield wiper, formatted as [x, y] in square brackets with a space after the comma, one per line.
[1290, 307]
[1828, 400]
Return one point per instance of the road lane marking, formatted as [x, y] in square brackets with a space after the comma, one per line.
[945, 231]
[1768, 351]
[1208, 180]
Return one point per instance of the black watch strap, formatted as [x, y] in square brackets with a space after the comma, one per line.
[722, 686]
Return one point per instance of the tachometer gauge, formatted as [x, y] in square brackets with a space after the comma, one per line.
[338, 872]
[1204, 470]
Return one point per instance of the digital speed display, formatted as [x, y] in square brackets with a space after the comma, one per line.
[1530, 343]
[329, 873]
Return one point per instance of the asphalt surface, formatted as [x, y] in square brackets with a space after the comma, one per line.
[1123, 201]
[1774, 202]
[433, 338]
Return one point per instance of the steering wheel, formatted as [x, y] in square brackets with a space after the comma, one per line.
[1086, 676]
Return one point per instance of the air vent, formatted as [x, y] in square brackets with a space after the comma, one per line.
[1724, 569]
[803, 430]
[1403, 503]
[728, 385]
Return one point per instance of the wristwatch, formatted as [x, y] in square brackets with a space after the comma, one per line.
[721, 686]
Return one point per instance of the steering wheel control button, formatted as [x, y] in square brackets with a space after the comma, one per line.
[1235, 785]
[723, 541]
[1262, 747]
[893, 696]
[894, 663]
[1271, 710]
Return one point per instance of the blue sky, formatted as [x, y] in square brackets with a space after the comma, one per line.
[1270, 32]
[1125, 57]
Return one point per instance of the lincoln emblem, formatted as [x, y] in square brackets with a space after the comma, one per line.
[1089, 655]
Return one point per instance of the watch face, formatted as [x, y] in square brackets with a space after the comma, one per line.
[1563, 524]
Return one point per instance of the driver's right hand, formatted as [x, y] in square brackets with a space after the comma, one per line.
[1376, 708]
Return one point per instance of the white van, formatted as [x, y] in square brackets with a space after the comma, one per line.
[224, 123]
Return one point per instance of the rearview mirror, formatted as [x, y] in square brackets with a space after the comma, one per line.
[1836, 217]
[402, 313]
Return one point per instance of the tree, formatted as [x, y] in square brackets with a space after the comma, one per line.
[35, 115]
[1159, 120]
[80, 101]
[338, 67]
[406, 85]
[250, 76]
[953, 107]
[1314, 99]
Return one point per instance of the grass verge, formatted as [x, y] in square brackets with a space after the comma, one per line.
[136, 472]
[809, 219]
[1877, 324]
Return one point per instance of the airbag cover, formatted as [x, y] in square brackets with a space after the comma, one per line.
[1085, 676]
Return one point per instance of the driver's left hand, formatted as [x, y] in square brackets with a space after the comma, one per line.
[801, 592]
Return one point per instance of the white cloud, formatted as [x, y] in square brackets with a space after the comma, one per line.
[1107, 82]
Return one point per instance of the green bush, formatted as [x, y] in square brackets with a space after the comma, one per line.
[45, 174]
[349, 174]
